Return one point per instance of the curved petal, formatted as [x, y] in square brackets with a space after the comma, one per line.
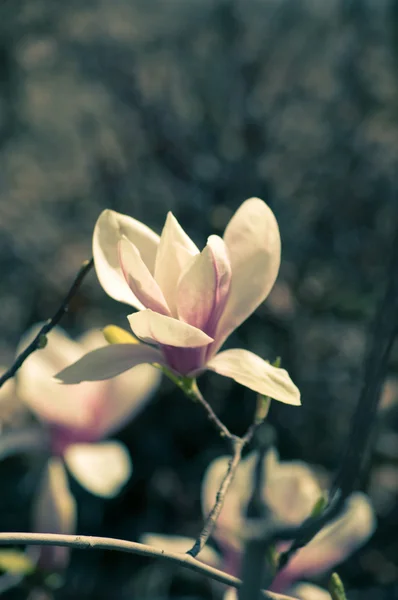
[107, 362]
[45, 397]
[175, 251]
[335, 542]
[139, 278]
[54, 511]
[109, 229]
[254, 247]
[129, 393]
[252, 371]
[291, 489]
[152, 327]
[102, 469]
[308, 591]
[204, 286]
[179, 543]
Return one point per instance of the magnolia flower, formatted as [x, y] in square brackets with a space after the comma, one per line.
[291, 492]
[188, 301]
[77, 418]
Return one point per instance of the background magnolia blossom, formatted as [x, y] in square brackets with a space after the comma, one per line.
[74, 420]
[290, 492]
[189, 301]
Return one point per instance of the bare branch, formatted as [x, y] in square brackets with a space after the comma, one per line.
[40, 338]
[85, 542]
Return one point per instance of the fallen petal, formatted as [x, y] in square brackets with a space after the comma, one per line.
[152, 327]
[109, 230]
[102, 469]
[109, 361]
[255, 373]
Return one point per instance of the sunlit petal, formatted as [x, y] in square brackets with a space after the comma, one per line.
[102, 469]
[308, 591]
[174, 252]
[109, 229]
[254, 247]
[152, 327]
[253, 372]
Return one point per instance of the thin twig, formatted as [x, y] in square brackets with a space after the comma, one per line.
[85, 542]
[212, 517]
[237, 444]
[50, 324]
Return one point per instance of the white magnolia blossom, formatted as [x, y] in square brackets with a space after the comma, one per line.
[188, 301]
[78, 417]
[291, 492]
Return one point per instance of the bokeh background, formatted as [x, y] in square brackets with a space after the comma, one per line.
[145, 106]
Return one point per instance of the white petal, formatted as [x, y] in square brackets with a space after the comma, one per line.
[102, 469]
[54, 511]
[109, 229]
[252, 371]
[204, 286]
[179, 543]
[336, 541]
[254, 247]
[44, 396]
[152, 327]
[128, 394]
[139, 278]
[291, 489]
[174, 252]
[109, 361]
[308, 591]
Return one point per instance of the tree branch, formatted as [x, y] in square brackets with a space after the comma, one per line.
[40, 338]
[85, 542]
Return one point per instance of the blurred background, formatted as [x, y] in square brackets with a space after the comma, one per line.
[146, 106]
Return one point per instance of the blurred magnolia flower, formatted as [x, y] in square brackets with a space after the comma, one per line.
[75, 420]
[188, 301]
[78, 417]
[291, 492]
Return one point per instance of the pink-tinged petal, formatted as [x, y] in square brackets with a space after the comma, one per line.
[152, 327]
[204, 286]
[109, 229]
[140, 279]
[54, 512]
[291, 489]
[102, 469]
[254, 247]
[174, 252]
[308, 591]
[335, 542]
[51, 402]
[179, 543]
[107, 362]
[250, 370]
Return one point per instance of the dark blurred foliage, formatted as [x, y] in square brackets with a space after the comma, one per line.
[146, 106]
